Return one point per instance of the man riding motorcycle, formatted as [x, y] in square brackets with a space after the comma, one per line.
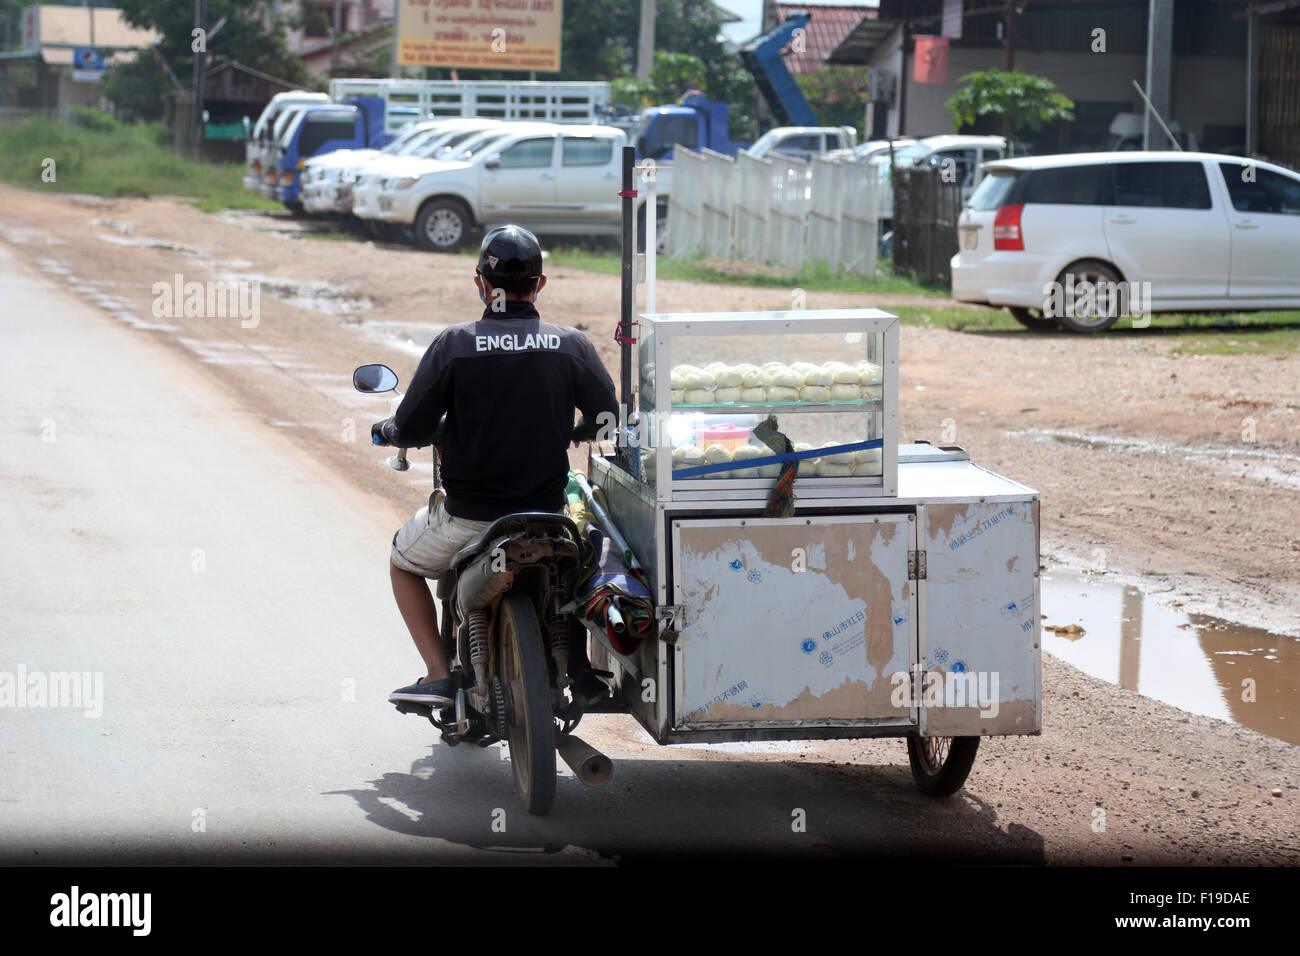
[508, 384]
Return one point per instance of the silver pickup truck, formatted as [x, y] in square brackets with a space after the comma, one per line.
[552, 179]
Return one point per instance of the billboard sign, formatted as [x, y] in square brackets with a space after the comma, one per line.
[482, 34]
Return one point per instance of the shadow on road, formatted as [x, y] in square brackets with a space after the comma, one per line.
[698, 808]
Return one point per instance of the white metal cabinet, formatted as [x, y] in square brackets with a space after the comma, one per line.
[979, 626]
[793, 622]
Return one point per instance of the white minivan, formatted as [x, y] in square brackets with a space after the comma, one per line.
[1170, 231]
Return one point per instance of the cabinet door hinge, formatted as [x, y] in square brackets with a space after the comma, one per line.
[915, 565]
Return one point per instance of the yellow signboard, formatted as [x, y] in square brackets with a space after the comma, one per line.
[486, 34]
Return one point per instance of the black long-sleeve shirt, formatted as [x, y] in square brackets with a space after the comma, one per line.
[509, 384]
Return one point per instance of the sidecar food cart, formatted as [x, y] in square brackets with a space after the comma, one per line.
[899, 600]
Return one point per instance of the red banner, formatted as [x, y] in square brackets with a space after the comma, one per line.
[930, 64]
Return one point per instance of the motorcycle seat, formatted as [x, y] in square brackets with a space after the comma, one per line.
[540, 522]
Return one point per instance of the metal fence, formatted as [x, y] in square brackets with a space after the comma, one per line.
[779, 211]
[926, 208]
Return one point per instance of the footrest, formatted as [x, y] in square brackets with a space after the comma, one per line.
[410, 707]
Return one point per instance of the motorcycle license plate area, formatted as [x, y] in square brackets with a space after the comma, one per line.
[793, 622]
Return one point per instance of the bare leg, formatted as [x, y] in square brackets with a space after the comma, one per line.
[415, 601]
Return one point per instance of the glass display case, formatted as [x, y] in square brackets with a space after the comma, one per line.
[829, 378]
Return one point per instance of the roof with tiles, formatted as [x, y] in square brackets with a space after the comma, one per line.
[828, 26]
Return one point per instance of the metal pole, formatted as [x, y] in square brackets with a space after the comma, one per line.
[90, 12]
[1160, 64]
[902, 74]
[1252, 70]
[645, 45]
[196, 104]
[1153, 112]
[336, 33]
[1011, 37]
[628, 194]
[651, 207]
[395, 71]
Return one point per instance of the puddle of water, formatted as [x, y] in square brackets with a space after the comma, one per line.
[117, 225]
[1116, 443]
[1195, 662]
[148, 242]
[54, 267]
[314, 294]
[411, 339]
[1224, 458]
[262, 222]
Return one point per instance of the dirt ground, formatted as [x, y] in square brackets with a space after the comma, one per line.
[1197, 512]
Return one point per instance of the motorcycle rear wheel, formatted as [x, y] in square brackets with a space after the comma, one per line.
[529, 725]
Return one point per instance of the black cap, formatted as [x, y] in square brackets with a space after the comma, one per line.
[510, 252]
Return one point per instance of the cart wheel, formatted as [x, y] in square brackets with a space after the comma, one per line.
[529, 726]
[940, 765]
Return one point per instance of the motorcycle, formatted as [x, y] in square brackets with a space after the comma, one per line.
[518, 653]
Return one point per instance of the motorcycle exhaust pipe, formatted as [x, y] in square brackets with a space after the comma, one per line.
[587, 763]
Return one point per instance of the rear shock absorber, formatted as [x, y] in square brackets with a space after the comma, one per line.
[559, 629]
[479, 647]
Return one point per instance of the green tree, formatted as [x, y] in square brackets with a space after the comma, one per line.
[837, 94]
[1021, 100]
[252, 34]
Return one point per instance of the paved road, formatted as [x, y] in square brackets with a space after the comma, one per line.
[233, 599]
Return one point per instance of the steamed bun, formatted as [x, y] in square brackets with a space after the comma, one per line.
[685, 456]
[845, 393]
[843, 458]
[743, 453]
[727, 377]
[842, 374]
[869, 371]
[807, 466]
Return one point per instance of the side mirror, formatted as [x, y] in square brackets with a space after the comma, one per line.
[373, 379]
[493, 163]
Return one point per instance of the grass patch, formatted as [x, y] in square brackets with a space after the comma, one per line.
[95, 154]
[814, 277]
[1254, 341]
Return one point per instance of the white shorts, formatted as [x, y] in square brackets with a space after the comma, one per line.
[426, 544]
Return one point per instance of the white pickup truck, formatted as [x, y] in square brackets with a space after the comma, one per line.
[328, 179]
[552, 179]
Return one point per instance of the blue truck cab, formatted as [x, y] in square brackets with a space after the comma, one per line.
[696, 122]
[359, 123]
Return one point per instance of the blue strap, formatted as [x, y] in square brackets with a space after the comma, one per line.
[775, 459]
